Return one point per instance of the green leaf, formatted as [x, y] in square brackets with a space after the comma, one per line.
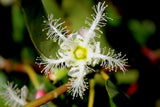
[18, 24]
[33, 12]
[112, 104]
[117, 96]
[112, 89]
[51, 7]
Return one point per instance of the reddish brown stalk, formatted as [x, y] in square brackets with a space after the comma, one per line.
[48, 97]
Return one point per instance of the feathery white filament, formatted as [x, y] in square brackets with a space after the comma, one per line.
[51, 63]
[77, 82]
[13, 96]
[55, 31]
[111, 60]
[97, 20]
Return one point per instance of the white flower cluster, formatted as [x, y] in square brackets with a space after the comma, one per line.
[13, 96]
[80, 50]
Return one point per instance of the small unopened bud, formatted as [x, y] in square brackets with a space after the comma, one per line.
[40, 93]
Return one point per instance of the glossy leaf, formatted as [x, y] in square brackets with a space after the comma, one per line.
[112, 104]
[117, 96]
[51, 7]
[33, 13]
[17, 24]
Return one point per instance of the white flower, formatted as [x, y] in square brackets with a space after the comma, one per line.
[79, 50]
[13, 96]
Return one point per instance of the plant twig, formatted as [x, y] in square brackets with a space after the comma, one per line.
[32, 75]
[91, 93]
[104, 75]
[48, 97]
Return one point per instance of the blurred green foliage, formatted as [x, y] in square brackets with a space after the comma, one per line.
[141, 30]
[18, 25]
[113, 15]
[27, 54]
[3, 81]
[128, 77]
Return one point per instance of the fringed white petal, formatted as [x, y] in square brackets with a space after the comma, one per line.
[78, 86]
[77, 83]
[112, 61]
[96, 51]
[24, 92]
[98, 20]
[55, 29]
[50, 64]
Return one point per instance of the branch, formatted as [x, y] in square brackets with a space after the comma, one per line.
[91, 93]
[104, 75]
[48, 97]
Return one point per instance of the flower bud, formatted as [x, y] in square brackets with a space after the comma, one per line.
[40, 93]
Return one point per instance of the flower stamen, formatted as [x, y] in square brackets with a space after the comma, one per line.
[80, 53]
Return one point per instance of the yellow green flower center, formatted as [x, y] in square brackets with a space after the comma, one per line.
[80, 53]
